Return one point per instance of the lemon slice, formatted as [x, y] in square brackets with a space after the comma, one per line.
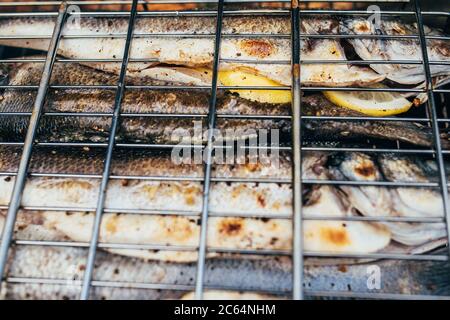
[242, 78]
[370, 103]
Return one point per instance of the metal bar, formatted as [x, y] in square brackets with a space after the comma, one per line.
[170, 146]
[107, 165]
[221, 115]
[297, 225]
[435, 125]
[19, 183]
[231, 36]
[199, 281]
[190, 87]
[180, 287]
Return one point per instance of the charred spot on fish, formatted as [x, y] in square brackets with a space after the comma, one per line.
[362, 27]
[261, 200]
[190, 200]
[7, 179]
[116, 271]
[399, 29]
[258, 48]
[230, 227]
[273, 240]
[338, 237]
[365, 169]
[342, 268]
[265, 220]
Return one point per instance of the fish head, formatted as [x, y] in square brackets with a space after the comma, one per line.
[4, 75]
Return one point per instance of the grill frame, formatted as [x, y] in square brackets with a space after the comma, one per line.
[297, 182]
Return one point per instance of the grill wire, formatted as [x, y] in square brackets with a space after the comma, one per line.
[298, 254]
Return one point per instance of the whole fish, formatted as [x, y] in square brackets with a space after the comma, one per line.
[393, 201]
[318, 105]
[261, 199]
[135, 101]
[119, 277]
[269, 200]
[171, 129]
[397, 49]
[180, 48]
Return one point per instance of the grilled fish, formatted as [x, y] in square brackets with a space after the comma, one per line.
[269, 200]
[180, 49]
[171, 130]
[397, 49]
[318, 105]
[395, 201]
[135, 101]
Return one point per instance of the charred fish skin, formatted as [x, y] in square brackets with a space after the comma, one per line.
[397, 49]
[175, 57]
[318, 105]
[135, 101]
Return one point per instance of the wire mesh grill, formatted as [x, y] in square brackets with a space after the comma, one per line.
[436, 97]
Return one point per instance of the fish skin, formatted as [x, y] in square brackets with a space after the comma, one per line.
[318, 105]
[269, 199]
[272, 200]
[157, 130]
[391, 49]
[392, 201]
[268, 275]
[185, 52]
[165, 130]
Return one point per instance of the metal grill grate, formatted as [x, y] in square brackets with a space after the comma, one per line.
[298, 254]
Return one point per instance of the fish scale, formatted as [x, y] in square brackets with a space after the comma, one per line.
[158, 130]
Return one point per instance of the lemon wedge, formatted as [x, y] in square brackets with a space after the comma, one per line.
[242, 78]
[371, 103]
